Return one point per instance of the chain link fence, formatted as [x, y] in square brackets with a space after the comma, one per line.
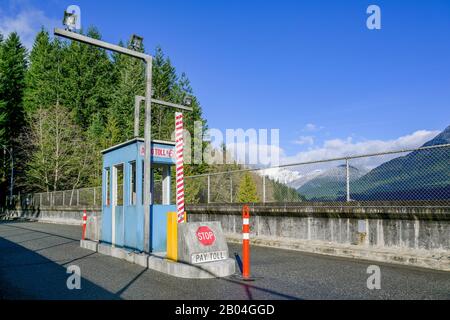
[415, 175]
[421, 174]
[76, 197]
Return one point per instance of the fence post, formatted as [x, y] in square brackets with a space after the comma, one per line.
[347, 169]
[209, 188]
[231, 189]
[264, 189]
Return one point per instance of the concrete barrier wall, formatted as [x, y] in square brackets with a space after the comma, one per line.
[62, 215]
[413, 234]
[420, 229]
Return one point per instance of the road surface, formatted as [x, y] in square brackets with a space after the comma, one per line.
[34, 258]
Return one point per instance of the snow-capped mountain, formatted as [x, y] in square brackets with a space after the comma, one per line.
[330, 184]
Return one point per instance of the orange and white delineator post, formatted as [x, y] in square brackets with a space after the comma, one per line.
[246, 242]
[83, 236]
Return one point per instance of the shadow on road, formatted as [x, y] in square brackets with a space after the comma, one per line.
[39, 277]
[243, 284]
[10, 225]
[26, 274]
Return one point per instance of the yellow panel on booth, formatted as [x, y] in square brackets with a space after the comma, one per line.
[172, 236]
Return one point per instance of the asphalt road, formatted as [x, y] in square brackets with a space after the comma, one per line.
[34, 258]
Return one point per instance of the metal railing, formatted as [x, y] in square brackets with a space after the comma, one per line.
[421, 174]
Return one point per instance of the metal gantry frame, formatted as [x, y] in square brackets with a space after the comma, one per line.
[137, 105]
[148, 60]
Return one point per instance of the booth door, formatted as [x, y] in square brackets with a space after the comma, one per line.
[117, 205]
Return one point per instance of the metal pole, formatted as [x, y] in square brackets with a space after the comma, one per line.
[137, 109]
[166, 104]
[147, 130]
[231, 189]
[147, 142]
[99, 43]
[12, 175]
[348, 179]
[78, 197]
[11, 183]
[94, 196]
[264, 189]
[209, 186]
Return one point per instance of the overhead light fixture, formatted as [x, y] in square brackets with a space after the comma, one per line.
[136, 42]
[70, 20]
[187, 100]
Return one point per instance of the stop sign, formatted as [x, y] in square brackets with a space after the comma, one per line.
[205, 235]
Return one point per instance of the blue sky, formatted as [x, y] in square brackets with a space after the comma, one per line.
[310, 68]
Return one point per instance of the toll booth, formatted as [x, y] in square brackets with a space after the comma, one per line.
[123, 197]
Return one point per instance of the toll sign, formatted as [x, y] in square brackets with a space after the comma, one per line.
[205, 236]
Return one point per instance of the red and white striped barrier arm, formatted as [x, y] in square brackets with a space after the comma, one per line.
[179, 147]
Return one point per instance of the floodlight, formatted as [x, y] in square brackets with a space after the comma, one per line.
[70, 20]
[187, 100]
[136, 42]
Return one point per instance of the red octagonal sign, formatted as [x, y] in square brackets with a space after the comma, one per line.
[205, 235]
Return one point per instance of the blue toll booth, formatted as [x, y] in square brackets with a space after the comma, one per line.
[123, 197]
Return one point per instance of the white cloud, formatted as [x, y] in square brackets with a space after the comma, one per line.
[305, 140]
[340, 148]
[336, 148]
[26, 22]
[311, 127]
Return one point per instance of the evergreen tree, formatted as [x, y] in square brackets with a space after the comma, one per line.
[43, 80]
[3, 110]
[96, 92]
[13, 66]
[164, 83]
[247, 190]
[129, 82]
[280, 192]
[3, 138]
[87, 80]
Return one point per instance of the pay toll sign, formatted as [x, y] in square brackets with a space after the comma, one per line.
[206, 237]
[208, 256]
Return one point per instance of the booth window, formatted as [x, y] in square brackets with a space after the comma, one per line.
[107, 187]
[157, 190]
[133, 195]
[118, 201]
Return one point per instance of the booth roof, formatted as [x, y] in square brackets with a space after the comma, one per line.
[123, 144]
